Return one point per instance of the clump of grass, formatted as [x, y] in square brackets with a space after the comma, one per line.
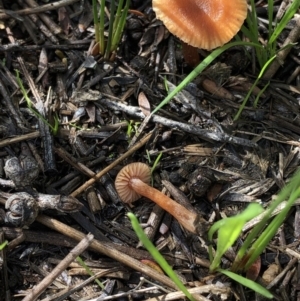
[260, 75]
[275, 28]
[257, 240]
[117, 20]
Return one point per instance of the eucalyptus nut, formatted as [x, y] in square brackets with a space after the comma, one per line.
[23, 209]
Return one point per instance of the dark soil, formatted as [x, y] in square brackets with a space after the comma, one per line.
[211, 164]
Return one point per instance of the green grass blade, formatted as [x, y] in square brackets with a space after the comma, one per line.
[248, 283]
[156, 162]
[229, 229]
[88, 270]
[259, 227]
[255, 234]
[252, 23]
[242, 106]
[120, 27]
[270, 17]
[96, 20]
[261, 243]
[3, 245]
[110, 29]
[157, 256]
[260, 94]
[285, 19]
[117, 16]
[248, 33]
[101, 28]
[56, 124]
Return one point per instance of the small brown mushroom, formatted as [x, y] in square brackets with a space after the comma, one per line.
[133, 181]
[205, 24]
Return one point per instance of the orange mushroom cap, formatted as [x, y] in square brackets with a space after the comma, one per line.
[136, 170]
[205, 24]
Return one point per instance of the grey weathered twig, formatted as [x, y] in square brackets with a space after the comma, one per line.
[39, 9]
[17, 139]
[211, 136]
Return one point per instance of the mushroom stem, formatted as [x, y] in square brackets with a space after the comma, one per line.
[186, 218]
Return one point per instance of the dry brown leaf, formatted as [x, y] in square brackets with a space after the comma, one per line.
[271, 272]
[64, 20]
[214, 191]
[144, 104]
[218, 91]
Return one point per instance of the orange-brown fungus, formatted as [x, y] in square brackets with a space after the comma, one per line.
[132, 182]
[205, 24]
